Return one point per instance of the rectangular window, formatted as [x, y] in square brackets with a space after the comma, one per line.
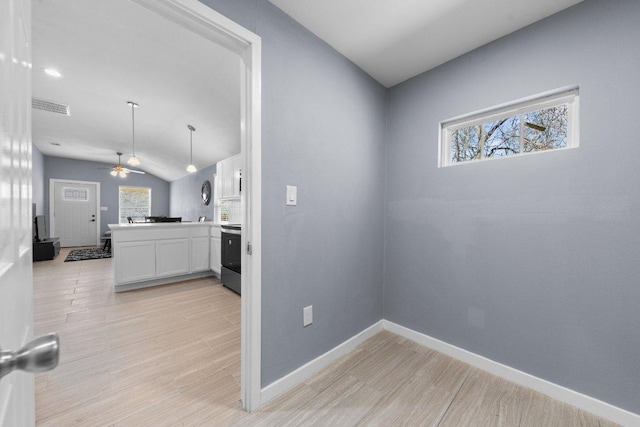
[135, 203]
[536, 124]
[72, 194]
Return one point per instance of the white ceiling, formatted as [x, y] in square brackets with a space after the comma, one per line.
[395, 40]
[115, 51]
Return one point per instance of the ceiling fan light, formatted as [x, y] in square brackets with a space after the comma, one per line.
[191, 169]
[122, 174]
[133, 160]
[114, 173]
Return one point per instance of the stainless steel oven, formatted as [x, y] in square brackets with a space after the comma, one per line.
[231, 252]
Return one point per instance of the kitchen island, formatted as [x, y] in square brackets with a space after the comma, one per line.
[150, 254]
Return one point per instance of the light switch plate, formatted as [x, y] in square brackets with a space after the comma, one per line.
[307, 315]
[292, 195]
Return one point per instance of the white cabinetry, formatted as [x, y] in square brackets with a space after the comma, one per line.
[172, 257]
[237, 175]
[199, 249]
[137, 261]
[229, 172]
[217, 184]
[216, 256]
[152, 254]
[227, 178]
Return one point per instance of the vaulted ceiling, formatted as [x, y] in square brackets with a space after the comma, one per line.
[111, 52]
[395, 40]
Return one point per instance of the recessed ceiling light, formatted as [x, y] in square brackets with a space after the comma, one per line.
[52, 72]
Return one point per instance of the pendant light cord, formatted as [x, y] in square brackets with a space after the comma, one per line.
[133, 160]
[191, 168]
[133, 130]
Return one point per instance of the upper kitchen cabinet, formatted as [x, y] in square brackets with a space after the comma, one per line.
[237, 175]
[229, 174]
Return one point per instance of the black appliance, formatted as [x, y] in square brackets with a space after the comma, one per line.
[231, 252]
[44, 248]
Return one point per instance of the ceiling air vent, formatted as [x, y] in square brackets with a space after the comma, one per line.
[52, 107]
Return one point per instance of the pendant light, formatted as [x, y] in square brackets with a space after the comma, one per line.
[191, 168]
[133, 160]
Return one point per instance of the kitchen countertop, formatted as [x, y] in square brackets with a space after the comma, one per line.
[139, 225]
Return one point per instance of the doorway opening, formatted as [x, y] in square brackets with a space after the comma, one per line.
[204, 21]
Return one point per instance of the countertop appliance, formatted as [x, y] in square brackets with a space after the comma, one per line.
[231, 252]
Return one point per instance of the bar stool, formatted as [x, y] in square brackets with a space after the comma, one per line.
[107, 241]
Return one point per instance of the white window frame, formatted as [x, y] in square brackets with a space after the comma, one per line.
[120, 187]
[567, 95]
[76, 191]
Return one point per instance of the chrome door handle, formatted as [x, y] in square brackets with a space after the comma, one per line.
[40, 355]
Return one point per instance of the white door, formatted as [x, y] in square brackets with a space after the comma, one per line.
[75, 213]
[16, 281]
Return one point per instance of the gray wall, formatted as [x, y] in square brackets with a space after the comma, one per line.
[531, 261]
[37, 177]
[323, 129]
[80, 170]
[185, 195]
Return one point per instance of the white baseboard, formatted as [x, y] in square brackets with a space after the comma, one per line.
[162, 281]
[563, 394]
[311, 368]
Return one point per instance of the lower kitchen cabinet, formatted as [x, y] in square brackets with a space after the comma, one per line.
[136, 261]
[199, 254]
[216, 256]
[172, 257]
[152, 254]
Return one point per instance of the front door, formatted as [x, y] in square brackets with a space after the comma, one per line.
[16, 281]
[75, 213]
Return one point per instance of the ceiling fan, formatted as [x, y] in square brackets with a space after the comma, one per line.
[119, 170]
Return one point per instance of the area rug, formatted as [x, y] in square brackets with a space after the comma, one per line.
[84, 254]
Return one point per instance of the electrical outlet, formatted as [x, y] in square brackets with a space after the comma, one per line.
[307, 315]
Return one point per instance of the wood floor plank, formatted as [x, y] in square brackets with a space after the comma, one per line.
[345, 402]
[411, 403]
[330, 374]
[170, 356]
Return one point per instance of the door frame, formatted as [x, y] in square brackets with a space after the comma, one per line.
[52, 224]
[205, 21]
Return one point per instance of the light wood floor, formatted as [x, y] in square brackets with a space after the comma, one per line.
[170, 356]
